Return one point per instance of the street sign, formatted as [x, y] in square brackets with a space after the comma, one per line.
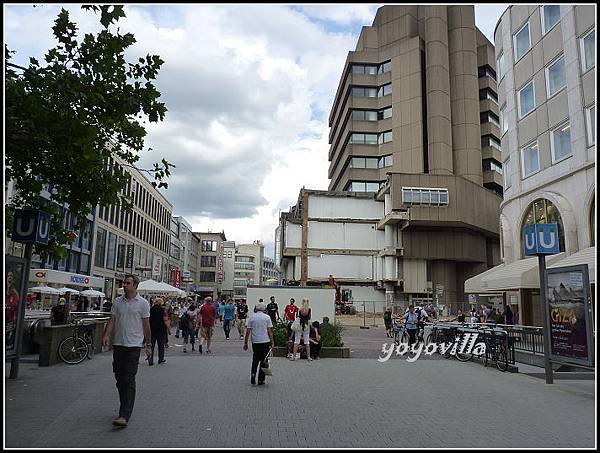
[541, 239]
[31, 225]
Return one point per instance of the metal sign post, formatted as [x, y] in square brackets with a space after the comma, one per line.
[541, 240]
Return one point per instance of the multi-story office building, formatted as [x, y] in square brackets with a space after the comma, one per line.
[181, 254]
[270, 274]
[406, 126]
[248, 267]
[209, 283]
[136, 242]
[546, 91]
[228, 268]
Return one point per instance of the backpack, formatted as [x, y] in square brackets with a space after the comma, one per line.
[185, 321]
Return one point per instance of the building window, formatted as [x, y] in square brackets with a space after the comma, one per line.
[491, 165]
[100, 247]
[209, 246]
[560, 142]
[590, 116]
[207, 276]
[526, 99]
[500, 66]
[425, 196]
[112, 248]
[503, 120]
[588, 50]
[530, 159]
[488, 94]
[543, 211]
[208, 261]
[522, 41]
[84, 265]
[363, 162]
[592, 223]
[556, 78]
[385, 67]
[385, 161]
[364, 92]
[384, 114]
[507, 174]
[489, 117]
[364, 69]
[363, 139]
[490, 140]
[364, 115]
[550, 17]
[384, 137]
[486, 71]
[363, 186]
[384, 90]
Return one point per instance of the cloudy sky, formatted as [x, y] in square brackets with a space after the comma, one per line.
[248, 90]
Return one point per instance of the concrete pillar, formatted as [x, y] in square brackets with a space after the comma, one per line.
[437, 89]
[464, 93]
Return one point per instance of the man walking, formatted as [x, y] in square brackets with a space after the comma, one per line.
[241, 315]
[260, 328]
[206, 322]
[273, 310]
[130, 319]
[229, 314]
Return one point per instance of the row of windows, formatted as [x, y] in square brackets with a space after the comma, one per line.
[362, 68]
[560, 147]
[76, 262]
[372, 92]
[550, 17]
[371, 162]
[150, 205]
[207, 276]
[112, 250]
[247, 266]
[424, 196]
[371, 115]
[244, 259]
[370, 139]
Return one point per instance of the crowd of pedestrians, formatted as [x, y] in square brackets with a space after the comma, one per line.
[136, 321]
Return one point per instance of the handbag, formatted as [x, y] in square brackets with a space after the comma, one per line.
[296, 325]
[265, 365]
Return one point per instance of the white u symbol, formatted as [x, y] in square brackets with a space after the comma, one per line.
[43, 229]
[552, 240]
[530, 237]
[19, 227]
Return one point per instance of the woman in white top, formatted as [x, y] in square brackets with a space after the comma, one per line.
[304, 330]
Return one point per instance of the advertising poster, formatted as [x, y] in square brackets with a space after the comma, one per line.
[568, 312]
[14, 281]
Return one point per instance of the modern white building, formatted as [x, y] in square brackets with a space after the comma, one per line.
[248, 267]
[547, 95]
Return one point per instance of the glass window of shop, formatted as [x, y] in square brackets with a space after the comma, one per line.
[84, 264]
[100, 247]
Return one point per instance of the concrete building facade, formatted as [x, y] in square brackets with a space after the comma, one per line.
[547, 97]
[407, 124]
[137, 242]
[208, 282]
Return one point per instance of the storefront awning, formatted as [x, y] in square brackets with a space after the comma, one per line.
[585, 256]
[513, 276]
[64, 278]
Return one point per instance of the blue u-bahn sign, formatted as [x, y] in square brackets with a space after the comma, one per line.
[31, 225]
[541, 239]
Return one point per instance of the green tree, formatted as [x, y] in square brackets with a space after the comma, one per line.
[67, 119]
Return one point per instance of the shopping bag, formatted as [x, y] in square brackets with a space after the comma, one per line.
[265, 366]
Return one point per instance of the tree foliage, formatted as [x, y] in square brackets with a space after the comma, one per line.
[67, 118]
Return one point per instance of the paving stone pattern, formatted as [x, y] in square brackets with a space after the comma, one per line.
[201, 401]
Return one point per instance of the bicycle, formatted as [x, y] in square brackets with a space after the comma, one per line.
[496, 348]
[400, 333]
[74, 349]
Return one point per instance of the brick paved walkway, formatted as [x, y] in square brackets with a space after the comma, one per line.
[207, 401]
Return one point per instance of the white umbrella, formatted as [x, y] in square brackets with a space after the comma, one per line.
[68, 290]
[44, 289]
[151, 286]
[92, 293]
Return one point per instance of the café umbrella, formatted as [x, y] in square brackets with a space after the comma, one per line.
[68, 290]
[92, 293]
[44, 290]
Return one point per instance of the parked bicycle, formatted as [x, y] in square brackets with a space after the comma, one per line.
[399, 331]
[77, 347]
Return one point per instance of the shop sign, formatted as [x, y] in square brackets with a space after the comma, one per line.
[129, 260]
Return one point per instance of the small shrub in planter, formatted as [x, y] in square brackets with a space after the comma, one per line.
[331, 335]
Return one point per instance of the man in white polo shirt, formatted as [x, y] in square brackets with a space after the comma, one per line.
[130, 319]
[260, 327]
